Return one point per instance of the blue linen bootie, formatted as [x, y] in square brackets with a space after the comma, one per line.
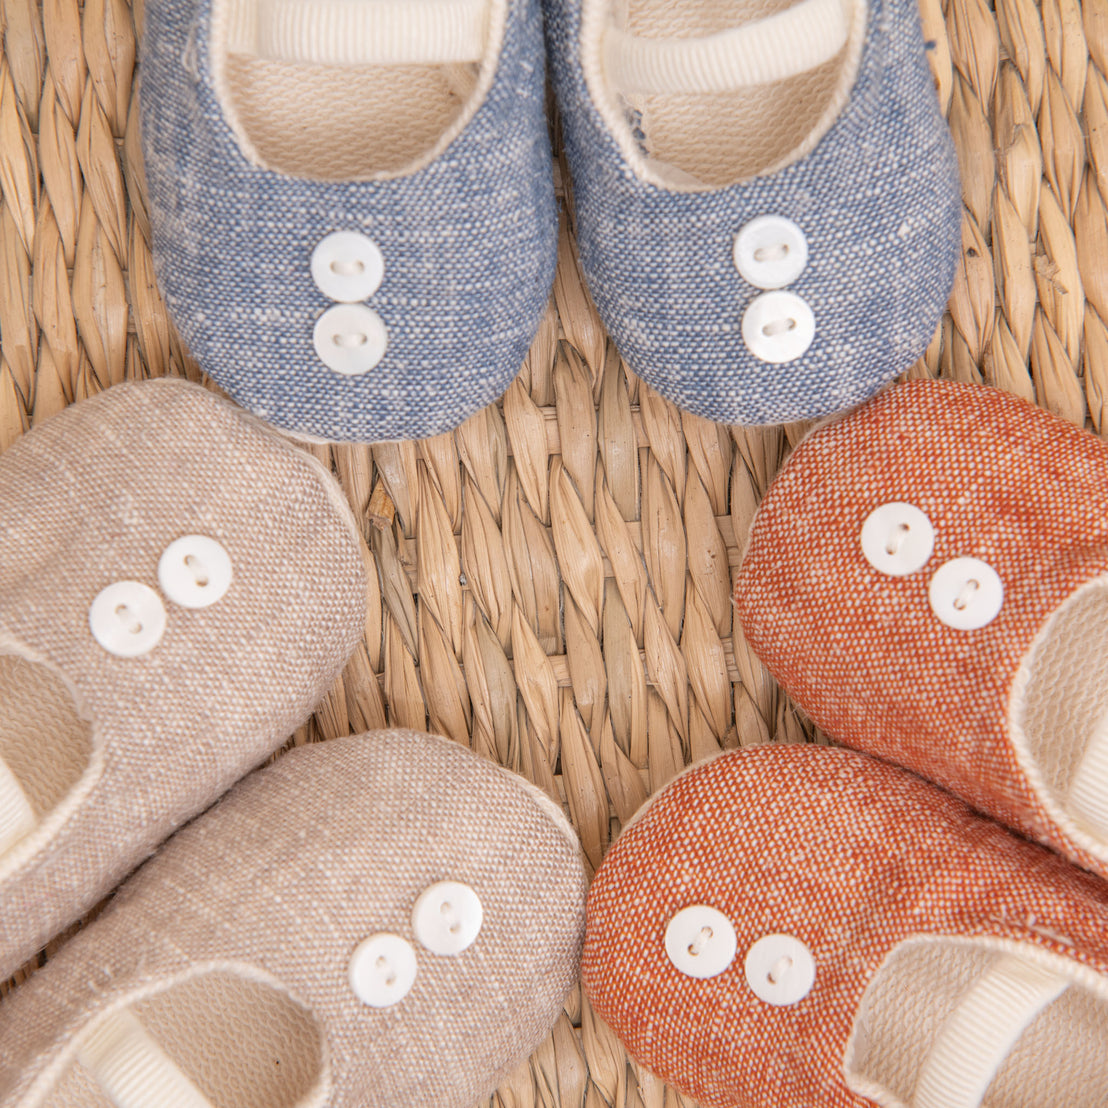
[352, 207]
[767, 197]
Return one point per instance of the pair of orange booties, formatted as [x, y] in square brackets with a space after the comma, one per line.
[805, 926]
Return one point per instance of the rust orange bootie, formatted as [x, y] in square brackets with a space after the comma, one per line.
[804, 927]
[928, 579]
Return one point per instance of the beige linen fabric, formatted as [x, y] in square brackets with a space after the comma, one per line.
[277, 886]
[95, 496]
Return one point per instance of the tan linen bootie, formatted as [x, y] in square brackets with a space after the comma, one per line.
[380, 920]
[178, 590]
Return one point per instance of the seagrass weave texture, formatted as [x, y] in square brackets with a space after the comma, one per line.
[551, 583]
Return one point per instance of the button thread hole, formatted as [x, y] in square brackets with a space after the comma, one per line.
[350, 339]
[129, 619]
[199, 571]
[348, 267]
[897, 539]
[696, 947]
[966, 595]
[778, 252]
[780, 970]
[388, 974]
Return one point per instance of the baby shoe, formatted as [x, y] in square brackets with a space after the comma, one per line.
[928, 579]
[805, 927]
[383, 920]
[178, 589]
[352, 204]
[767, 197]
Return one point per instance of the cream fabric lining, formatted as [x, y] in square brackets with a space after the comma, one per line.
[45, 746]
[1061, 718]
[1058, 1059]
[237, 1043]
[699, 141]
[325, 121]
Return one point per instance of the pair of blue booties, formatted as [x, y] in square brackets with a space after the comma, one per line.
[355, 227]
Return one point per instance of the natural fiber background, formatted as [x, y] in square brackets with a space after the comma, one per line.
[551, 582]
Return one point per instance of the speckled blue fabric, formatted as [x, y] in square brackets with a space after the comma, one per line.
[470, 244]
[878, 200]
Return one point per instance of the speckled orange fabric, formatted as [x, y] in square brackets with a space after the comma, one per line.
[846, 853]
[863, 653]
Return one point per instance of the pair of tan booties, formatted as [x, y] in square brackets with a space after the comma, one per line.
[384, 919]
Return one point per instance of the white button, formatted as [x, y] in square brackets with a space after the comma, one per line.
[383, 970]
[195, 571]
[771, 252]
[966, 593]
[897, 539]
[778, 327]
[447, 917]
[127, 619]
[780, 969]
[350, 339]
[700, 941]
[347, 267]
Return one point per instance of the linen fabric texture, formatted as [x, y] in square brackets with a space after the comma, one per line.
[863, 653]
[854, 858]
[877, 198]
[275, 888]
[469, 246]
[94, 496]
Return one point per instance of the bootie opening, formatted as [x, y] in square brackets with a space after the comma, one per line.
[1060, 716]
[213, 1041]
[712, 93]
[326, 90]
[45, 746]
[955, 1023]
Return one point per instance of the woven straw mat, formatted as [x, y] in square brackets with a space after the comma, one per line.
[552, 580]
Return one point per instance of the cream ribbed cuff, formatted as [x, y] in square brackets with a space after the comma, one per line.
[783, 45]
[17, 817]
[980, 1034]
[132, 1070]
[360, 32]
